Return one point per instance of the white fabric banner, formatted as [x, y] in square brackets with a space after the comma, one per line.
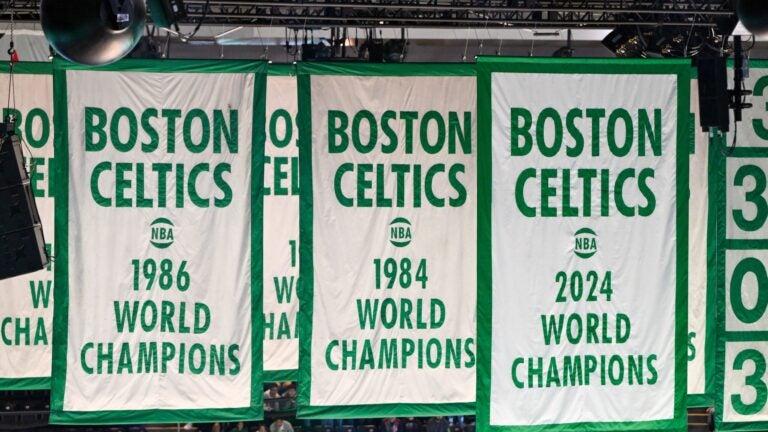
[391, 305]
[699, 356]
[281, 230]
[26, 308]
[741, 182]
[587, 326]
[160, 293]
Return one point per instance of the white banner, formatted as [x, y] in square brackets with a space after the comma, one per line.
[741, 181]
[700, 350]
[26, 308]
[586, 305]
[281, 227]
[388, 240]
[158, 281]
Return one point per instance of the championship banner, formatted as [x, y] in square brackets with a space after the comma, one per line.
[281, 227]
[159, 236]
[388, 238]
[583, 229]
[741, 180]
[26, 308]
[701, 265]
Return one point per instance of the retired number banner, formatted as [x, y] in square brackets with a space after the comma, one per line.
[742, 236]
[26, 308]
[281, 227]
[583, 170]
[158, 276]
[388, 237]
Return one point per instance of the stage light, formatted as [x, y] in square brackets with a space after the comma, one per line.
[626, 42]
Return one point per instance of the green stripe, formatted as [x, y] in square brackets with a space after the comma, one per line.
[747, 152]
[384, 410]
[745, 336]
[39, 383]
[700, 401]
[270, 376]
[61, 243]
[570, 66]
[484, 244]
[170, 66]
[400, 69]
[306, 260]
[281, 70]
[258, 149]
[746, 244]
[97, 418]
[755, 63]
[28, 68]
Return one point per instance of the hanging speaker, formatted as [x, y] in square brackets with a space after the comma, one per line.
[93, 32]
[754, 15]
[713, 93]
[22, 245]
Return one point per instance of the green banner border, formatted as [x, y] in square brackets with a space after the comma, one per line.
[281, 70]
[61, 284]
[35, 383]
[31, 383]
[489, 65]
[306, 409]
[27, 68]
[282, 375]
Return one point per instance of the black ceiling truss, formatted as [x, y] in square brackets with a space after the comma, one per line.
[434, 13]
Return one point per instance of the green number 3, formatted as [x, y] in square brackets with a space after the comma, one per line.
[755, 196]
[755, 381]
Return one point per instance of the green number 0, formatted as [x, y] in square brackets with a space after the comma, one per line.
[755, 381]
[745, 266]
[755, 196]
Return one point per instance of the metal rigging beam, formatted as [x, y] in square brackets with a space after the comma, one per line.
[435, 13]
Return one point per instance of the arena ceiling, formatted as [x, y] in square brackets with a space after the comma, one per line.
[435, 13]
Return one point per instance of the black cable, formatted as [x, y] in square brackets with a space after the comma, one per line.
[202, 18]
[733, 143]
[754, 40]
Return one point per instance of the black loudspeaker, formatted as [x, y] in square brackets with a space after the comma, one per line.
[713, 93]
[376, 51]
[22, 245]
[754, 15]
[93, 32]
[12, 170]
